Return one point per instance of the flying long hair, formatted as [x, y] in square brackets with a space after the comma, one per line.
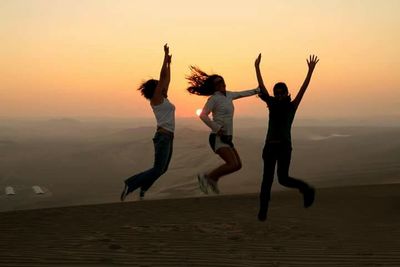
[200, 82]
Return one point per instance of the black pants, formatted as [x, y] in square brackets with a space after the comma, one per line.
[279, 153]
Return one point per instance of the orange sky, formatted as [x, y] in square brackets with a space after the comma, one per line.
[86, 58]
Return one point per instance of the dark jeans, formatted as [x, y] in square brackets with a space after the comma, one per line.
[163, 144]
[277, 153]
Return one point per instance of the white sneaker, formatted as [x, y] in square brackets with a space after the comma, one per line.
[213, 185]
[201, 178]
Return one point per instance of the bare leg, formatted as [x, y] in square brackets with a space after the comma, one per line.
[231, 163]
[238, 160]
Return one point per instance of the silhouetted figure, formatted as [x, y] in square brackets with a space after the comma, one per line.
[221, 106]
[164, 111]
[278, 144]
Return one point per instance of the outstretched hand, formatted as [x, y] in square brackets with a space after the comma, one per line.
[258, 60]
[312, 61]
[166, 54]
[166, 49]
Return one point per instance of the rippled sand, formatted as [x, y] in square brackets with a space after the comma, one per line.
[348, 226]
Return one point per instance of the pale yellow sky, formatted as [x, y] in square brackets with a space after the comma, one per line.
[86, 58]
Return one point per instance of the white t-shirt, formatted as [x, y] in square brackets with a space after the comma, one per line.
[165, 115]
[222, 109]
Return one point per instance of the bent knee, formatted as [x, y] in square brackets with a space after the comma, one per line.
[235, 166]
[283, 179]
[163, 171]
[231, 167]
[159, 172]
[238, 166]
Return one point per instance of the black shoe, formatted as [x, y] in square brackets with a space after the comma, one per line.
[124, 192]
[262, 214]
[141, 194]
[309, 196]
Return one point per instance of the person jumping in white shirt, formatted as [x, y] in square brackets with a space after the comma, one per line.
[221, 106]
[156, 91]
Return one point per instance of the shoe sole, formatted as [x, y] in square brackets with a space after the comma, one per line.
[213, 187]
[307, 205]
[124, 193]
[202, 186]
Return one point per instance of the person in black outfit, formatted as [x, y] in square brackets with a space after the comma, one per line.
[278, 144]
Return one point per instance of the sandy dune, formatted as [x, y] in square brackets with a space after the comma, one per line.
[347, 226]
[81, 163]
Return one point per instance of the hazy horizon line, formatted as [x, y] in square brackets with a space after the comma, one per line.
[377, 121]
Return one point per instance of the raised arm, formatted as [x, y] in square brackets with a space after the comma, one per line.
[165, 76]
[311, 62]
[263, 91]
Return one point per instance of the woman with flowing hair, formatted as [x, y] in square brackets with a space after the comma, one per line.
[278, 143]
[220, 104]
[156, 91]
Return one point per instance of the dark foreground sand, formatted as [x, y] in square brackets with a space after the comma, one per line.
[349, 226]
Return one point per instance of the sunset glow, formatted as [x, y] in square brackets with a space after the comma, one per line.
[198, 111]
[86, 58]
